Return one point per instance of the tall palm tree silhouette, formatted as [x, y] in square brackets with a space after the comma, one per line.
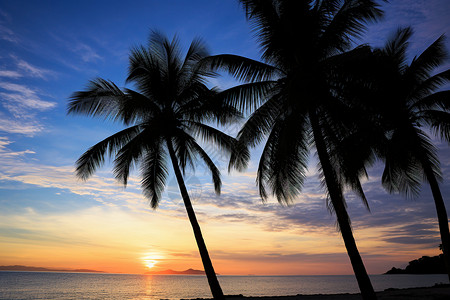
[170, 107]
[409, 101]
[297, 93]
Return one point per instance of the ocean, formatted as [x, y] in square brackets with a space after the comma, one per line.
[52, 285]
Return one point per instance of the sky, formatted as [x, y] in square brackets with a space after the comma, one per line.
[49, 218]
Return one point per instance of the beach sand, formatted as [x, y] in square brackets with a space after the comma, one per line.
[440, 292]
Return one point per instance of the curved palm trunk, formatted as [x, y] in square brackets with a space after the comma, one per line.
[214, 285]
[343, 219]
[441, 214]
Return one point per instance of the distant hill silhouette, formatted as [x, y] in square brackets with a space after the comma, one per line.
[423, 265]
[172, 272]
[40, 269]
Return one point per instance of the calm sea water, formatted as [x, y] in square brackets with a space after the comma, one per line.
[42, 285]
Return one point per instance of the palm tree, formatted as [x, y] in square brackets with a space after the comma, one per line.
[170, 107]
[408, 102]
[298, 93]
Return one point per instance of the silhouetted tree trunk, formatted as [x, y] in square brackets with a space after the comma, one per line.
[337, 200]
[214, 285]
[441, 214]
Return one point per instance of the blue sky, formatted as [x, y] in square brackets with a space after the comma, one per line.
[49, 49]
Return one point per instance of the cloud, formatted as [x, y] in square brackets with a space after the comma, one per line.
[394, 222]
[6, 153]
[79, 54]
[424, 233]
[23, 96]
[7, 34]
[86, 52]
[21, 101]
[21, 166]
[10, 74]
[413, 240]
[29, 70]
[428, 18]
[28, 128]
[21, 68]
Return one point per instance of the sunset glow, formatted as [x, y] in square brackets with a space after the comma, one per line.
[49, 218]
[150, 263]
[151, 259]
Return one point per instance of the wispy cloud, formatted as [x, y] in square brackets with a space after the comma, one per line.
[20, 166]
[86, 52]
[428, 18]
[6, 153]
[7, 34]
[21, 96]
[28, 70]
[28, 128]
[21, 101]
[10, 74]
[20, 68]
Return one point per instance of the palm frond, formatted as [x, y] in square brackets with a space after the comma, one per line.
[94, 157]
[182, 143]
[212, 135]
[431, 58]
[154, 173]
[130, 154]
[351, 153]
[430, 85]
[259, 123]
[396, 46]
[215, 173]
[146, 72]
[263, 173]
[436, 101]
[348, 22]
[439, 121]
[239, 157]
[358, 189]
[197, 51]
[327, 8]
[262, 15]
[284, 159]
[242, 68]
[428, 154]
[257, 127]
[100, 98]
[191, 72]
[247, 97]
[405, 154]
[167, 52]
[208, 106]
[350, 140]
[137, 107]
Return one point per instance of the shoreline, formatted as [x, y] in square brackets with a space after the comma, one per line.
[436, 292]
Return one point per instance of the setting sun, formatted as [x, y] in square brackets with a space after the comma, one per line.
[150, 263]
[151, 259]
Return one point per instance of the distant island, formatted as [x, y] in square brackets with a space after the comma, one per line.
[423, 265]
[172, 272]
[39, 269]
